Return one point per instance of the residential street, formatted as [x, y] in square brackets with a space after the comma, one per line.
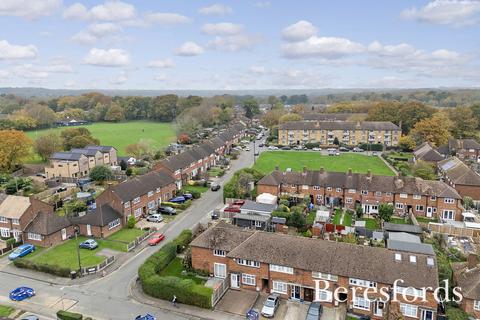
[110, 297]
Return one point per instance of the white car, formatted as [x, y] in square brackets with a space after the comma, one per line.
[155, 218]
[270, 306]
[316, 149]
[247, 149]
[272, 148]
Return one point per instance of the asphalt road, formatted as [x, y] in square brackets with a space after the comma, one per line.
[109, 297]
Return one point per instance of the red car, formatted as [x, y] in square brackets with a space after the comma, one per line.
[156, 239]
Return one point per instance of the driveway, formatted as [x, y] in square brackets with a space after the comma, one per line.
[237, 301]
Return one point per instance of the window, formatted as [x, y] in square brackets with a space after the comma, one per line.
[248, 279]
[348, 200]
[352, 190]
[413, 259]
[324, 276]
[248, 263]
[34, 236]
[219, 270]
[339, 189]
[361, 303]
[388, 194]
[403, 195]
[138, 212]
[5, 232]
[279, 287]
[3, 220]
[219, 253]
[476, 305]
[151, 205]
[158, 190]
[410, 291]
[127, 204]
[449, 200]
[398, 257]
[329, 188]
[417, 197]
[448, 215]
[136, 200]
[419, 207]
[408, 310]
[364, 192]
[399, 205]
[113, 224]
[430, 261]
[304, 187]
[316, 187]
[258, 224]
[363, 283]
[150, 193]
[282, 269]
[433, 198]
[177, 172]
[378, 193]
[325, 295]
[15, 221]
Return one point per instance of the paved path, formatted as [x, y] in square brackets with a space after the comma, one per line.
[110, 297]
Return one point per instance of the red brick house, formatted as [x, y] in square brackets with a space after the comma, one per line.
[289, 265]
[464, 149]
[467, 276]
[425, 152]
[48, 229]
[461, 177]
[101, 223]
[407, 194]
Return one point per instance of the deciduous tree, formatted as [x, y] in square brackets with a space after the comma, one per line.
[385, 211]
[47, 144]
[290, 117]
[435, 130]
[101, 173]
[464, 122]
[14, 148]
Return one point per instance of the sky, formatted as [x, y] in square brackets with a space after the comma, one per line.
[235, 45]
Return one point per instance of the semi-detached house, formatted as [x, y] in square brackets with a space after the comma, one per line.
[289, 266]
[407, 194]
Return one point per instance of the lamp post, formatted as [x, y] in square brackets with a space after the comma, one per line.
[76, 229]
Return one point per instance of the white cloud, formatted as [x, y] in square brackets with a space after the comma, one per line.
[222, 28]
[216, 9]
[97, 31]
[455, 12]
[391, 50]
[58, 65]
[4, 74]
[107, 58]
[299, 31]
[29, 9]
[165, 18]
[189, 49]
[10, 51]
[108, 11]
[391, 82]
[234, 42]
[322, 47]
[29, 71]
[161, 63]
[119, 79]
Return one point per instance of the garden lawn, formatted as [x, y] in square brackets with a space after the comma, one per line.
[347, 218]
[399, 220]
[426, 220]
[296, 160]
[175, 268]
[371, 223]
[65, 255]
[216, 172]
[122, 134]
[200, 189]
[126, 235]
[5, 311]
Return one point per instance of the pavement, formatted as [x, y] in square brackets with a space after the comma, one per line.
[110, 297]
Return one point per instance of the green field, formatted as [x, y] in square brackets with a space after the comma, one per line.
[296, 160]
[122, 134]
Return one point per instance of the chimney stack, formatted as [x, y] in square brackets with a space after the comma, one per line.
[472, 261]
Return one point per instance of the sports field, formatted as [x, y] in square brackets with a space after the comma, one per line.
[122, 134]
[296, 160]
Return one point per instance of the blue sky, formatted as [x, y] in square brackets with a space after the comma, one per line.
[249, 44]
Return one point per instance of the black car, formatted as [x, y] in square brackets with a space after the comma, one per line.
[261, 145]
[314, 311]
[61, 189]
[215, 187]
[167, 210]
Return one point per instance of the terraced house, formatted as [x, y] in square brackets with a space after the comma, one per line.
[290, 265]
[407, 194]
[346, 132]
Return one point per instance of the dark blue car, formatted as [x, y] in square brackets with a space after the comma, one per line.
[22, 293]
[21, 251]
[187, 196]
[180, 199]
[146, 317]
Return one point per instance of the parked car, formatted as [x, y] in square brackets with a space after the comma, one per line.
[41, 175]
[261, 145]
[187, 196]
[21, 293]
[272, 148]
[316, 149]
[156, 239]
[179, 199]
[21, 251]
[30, 317]
[256, 153]
[156, 217]
[357, 149]
[215, 187]
[270, 306]
[90, 244]
[167, 210]
[145, 317]
[61, 189]
[286, 148]
[314, 311]
[374, 153]
[343, 149]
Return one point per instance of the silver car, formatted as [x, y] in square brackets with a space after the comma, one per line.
[270, 306]
[155, 218]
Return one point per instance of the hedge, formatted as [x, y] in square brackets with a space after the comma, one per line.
[181, 206]
[371, 146]
[186, 290]
[47, 268]
[65, 315]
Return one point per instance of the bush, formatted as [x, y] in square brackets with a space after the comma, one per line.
[10, 242]
[65, 315]
[52, 269]
[312, 145]
[372, 146]
[284, 202]
[131, 222]
[158, 261]
[196, 194]
[183, 240]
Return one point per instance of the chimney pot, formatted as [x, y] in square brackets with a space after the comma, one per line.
[472, 261]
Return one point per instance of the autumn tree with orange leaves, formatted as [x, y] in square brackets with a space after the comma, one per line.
[14, 148]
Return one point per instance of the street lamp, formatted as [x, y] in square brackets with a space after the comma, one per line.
[76, 229]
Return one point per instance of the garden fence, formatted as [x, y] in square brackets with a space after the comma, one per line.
[132, 245]
[219, 290]
[452, 230]
[98, 267]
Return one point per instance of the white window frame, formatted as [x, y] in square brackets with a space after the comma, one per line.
[219, 253]
[409, 310]
[136, 200]
[220, 270]
[399, 205]
[150, 194]
[137, 212]
[258, 224]
[398, 256]
[362, 283]
[364, 192]
[403, 195]
[305, 187]
[352, 190]
[127, 204]
[448, 212]
[417, 197]
[419, 207]
[113, 224]
[5, 232]
[248, 263]
[279, 287]
[338, 189]
[151, 204]
[388, 194]
[316, 187]
[325, 295]
[476, 305]
[430, 261]
[282, 269]
[413, 259]
[248, 279]
[16, 221]
[348, 200]
[34, 236]
[378, 193]
[324, 276]
[361, 303]
[329, 188]
[449, 200]
[3, 220]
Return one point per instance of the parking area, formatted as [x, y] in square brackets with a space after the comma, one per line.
[237, 301]
[288, 310]
[143, 223]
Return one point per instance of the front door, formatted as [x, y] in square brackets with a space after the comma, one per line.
[235, 280]
[64, 234]
[366, 208]
[378, 308]
[429, 212]
[295, 293]
[89, 230]
[308, 294]
[426, 315]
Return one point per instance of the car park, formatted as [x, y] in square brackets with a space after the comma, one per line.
[22, 293]
[357, 149]
[156, 239]
[215, 187]
[270, 306]
[167, 210]
[21, 251]
[156, 217]
[179, 199]
[90, 244]
[315, 311]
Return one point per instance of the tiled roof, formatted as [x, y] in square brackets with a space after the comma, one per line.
[467, 279]
[426, 152]
[70, 156]
[102, 149]
[14, 207]
[339, 125]
[47, 223]
[331, 116]
[458, 172]
[255, 206]
[455, 144]
[85, 151]
[102, 216]
[222, 236]
[141, 185]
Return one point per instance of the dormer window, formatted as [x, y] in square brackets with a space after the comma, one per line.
[413, 259]
[398, 257]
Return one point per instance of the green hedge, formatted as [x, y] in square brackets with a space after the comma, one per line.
[186, 290]
[65, 315]
[52, 269]
[181, 206]
[371, 146]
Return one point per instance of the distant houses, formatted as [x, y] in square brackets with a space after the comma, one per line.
[461, 177]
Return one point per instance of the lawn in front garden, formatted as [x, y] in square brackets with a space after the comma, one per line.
[200, 189]
[296, 160]
[126, 235]
[5, 311]
[371, 223]
[175, 268]
[347, 218]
